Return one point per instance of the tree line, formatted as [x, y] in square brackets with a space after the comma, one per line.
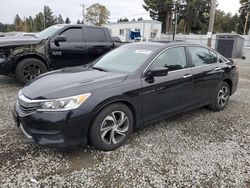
[41, 21]
[96, 15]
[194, 16]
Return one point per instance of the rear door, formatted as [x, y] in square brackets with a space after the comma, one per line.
[71, 52]
[96, 43]
[168, 94]
[207, 73]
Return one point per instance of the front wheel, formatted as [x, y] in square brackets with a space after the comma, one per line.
[111, 127]
[221, 98]
[28, 69]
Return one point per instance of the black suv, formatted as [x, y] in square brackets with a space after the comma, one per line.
[56, 47]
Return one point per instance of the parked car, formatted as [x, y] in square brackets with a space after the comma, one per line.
[141, 39]
[126, 89]
[56, 47]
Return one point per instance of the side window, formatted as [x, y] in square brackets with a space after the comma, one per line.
[173, 59]
[214, 57]
[95, 35]
[73, 35]
[200, 56]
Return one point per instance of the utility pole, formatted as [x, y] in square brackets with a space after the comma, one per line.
[83, 13]
[245, 28]
[176, 21]
[211, 23]
[25, 24]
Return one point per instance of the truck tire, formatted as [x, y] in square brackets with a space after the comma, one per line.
[28, 69]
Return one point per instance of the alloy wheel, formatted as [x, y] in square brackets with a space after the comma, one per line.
[114, 127]
[31, 71]
[223, 96]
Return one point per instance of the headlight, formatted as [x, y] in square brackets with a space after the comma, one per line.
[63, 104]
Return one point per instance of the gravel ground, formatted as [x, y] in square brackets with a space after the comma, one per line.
[200, 148]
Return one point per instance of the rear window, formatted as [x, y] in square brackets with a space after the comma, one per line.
[95, 35]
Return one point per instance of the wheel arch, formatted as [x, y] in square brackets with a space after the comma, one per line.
[230, 83]
[108, 102]
[27, 56]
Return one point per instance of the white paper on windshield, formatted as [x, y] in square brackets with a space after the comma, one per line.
[58, 26]
[147, 52]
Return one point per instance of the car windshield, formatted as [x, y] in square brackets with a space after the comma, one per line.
[125, 59]
[48, 32]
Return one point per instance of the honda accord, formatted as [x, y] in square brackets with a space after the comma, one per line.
[125, 89]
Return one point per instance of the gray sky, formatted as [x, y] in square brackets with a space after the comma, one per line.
[72, 9]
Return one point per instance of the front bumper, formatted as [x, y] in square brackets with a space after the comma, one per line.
[6, 67]
[55, 129]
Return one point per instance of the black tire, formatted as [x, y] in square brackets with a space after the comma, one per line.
[221, 98]
[100, 134]
[28, 69]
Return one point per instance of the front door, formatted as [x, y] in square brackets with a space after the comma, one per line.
[71, 52]
[171, 93]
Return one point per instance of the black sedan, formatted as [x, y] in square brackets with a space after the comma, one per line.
[128, 88]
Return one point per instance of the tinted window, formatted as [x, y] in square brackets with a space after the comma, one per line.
[214, 57]
[200, 56]
[73, 35]
[95, 35]
[173, 59]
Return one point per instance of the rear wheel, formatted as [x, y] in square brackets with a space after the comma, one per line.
[28, 69]
[221, 98]
[112, 127]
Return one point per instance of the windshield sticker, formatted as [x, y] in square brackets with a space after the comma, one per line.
[147, 52]
[58, 26]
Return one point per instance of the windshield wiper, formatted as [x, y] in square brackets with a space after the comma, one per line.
[100, 69]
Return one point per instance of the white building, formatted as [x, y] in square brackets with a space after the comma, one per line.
[149, 29]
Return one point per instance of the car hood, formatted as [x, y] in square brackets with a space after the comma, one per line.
[18, 41]
[69, 82]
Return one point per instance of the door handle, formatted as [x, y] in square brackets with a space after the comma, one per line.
[217, 69]
[187, 76]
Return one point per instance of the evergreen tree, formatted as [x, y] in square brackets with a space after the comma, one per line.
[48, 17]
[160, 10]
[67, 21]
[194, 14]
[18, 23]
[60, 19]
[39, 22]
[244, 9]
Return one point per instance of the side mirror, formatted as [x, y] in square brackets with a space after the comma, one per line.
[157, 72]
[59, 38]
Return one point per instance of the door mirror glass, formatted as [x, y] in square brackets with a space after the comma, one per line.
[157, 72]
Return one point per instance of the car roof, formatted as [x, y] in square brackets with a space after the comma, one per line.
[78, 25]
[165, 44]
